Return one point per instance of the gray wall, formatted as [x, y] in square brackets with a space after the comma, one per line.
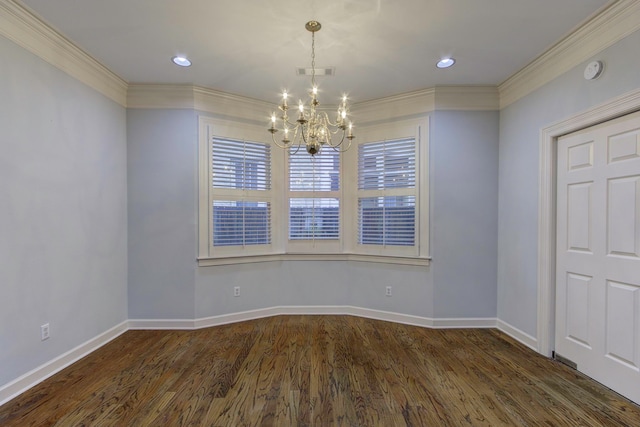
[165, 282]
[520, 126]
[63, 225]
[464, 200]
[162, 150]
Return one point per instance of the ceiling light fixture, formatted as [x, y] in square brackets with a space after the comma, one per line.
[181, 61]
[445, 63]
[313, 127]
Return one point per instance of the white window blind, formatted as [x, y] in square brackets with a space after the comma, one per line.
[237, 223]
[387, 193]
[314, 195]
[314, 218]
[257, 201]
[240, 177]
[387, 164]
[240, 165]
[388, 221]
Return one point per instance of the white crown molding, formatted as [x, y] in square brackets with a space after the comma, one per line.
[467, 98]
[229, 105]
[164, 96]
[41, 373]
[160, 96]
[615, 22]
[21, 26]
[460, 98]
[407, 104]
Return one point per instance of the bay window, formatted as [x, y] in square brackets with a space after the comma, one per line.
[259, 202]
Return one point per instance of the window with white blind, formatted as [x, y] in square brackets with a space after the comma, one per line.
[260, 202]
[386, 193]
[236, 195]
[242, 213]
[313, 198]
[390, 215]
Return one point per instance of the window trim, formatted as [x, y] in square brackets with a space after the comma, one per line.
[316, 246]
[280, 249]
[411, 128]
[225, 129]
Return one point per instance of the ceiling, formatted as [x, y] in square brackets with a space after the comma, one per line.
[378, 47]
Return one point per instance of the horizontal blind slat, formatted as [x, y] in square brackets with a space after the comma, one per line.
[240, 164]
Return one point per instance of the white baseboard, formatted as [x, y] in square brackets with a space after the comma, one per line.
[518, 335]
[30, 379]
[166, 324]
[466, 323]
[41, 373]
[243, 316]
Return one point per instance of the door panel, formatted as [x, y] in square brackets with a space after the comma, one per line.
[598, 253]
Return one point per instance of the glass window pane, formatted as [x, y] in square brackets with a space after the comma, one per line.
[388, 221]
[314, 173]
[241, 223]
[387, 164]
[240, 165]
[314, 218]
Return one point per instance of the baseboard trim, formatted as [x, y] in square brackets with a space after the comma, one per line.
[36, 376]
[518, 335]
[348, 310]
[161, 324]
[41, 373]
[466, 323]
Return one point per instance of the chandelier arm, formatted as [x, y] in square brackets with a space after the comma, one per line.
[297, 149]
[283, 146]
[325, 116]
[342, 150]
[334, 146]
[294, 124]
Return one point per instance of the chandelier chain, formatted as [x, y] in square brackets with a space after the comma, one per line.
[313, 59]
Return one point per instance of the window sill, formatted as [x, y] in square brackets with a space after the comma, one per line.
[210, 262]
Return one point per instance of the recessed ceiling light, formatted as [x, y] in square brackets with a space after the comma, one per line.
[181, 61]
[445, 63]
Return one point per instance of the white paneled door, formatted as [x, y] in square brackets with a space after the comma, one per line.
[598, 253]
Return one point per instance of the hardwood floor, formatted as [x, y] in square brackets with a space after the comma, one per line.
[318, 371]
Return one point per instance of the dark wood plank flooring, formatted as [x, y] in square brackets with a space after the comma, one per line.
[318, 371]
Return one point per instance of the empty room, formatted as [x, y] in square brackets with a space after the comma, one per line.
[338, 213]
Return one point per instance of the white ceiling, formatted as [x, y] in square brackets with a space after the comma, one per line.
[378, 47]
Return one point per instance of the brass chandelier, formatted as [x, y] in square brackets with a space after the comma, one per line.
[313, 127]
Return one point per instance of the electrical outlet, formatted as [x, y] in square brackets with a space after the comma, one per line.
[44, 332]
[236, 291]
[388, 291]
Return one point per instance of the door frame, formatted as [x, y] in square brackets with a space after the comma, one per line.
[614, 108]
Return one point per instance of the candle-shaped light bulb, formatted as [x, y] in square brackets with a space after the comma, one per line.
[301, 107]
[343, 114]
[314, 90]
[344, 99]
[350, 129]
[273, 118]
[285, 95]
